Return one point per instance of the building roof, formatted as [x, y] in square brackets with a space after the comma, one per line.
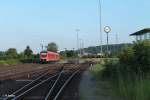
[146, 30]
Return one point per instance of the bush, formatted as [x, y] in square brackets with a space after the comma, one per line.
[11, 53]
[137, 57]
[135, 60]
[130, 76]
[142, 56]
[9, 62]
[96, 70]
[110, 69]
[127, 55]
[3, 62]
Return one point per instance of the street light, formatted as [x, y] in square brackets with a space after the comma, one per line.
[65, 52]
[116, 44]
[42, 46]
[107, 29]
[77, 31]
[101, 38]
[81, 46]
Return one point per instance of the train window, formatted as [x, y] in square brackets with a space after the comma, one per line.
[43, 55]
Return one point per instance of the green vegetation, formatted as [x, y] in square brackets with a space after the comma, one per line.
[52, 47]
[96, 70]
[9, 62]
[11, 53]
[12, 57]
[68, 54]
[113, 48]
[28, 52]
[130, 75]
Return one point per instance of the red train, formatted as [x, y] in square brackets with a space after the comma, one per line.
[47, 56]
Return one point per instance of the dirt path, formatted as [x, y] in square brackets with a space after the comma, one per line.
[92, 89]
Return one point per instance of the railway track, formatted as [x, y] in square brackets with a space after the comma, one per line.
[44, 87]
[26, 72]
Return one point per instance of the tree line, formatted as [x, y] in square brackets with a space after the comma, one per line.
[12, 53]
[114, 49]
[27, 54]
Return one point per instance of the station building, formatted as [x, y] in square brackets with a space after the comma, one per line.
[142, 34]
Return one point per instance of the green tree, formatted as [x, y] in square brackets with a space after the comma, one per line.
[62, 54]
[126, 56]
[21, 55]
[137, 57]
[11, 53]
[2, 55]
[28, 52]
[70, 53]
[142, 56]
[52, 47]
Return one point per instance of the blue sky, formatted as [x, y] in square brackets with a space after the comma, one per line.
[31, 22]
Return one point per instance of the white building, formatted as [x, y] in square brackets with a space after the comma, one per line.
[142, 34]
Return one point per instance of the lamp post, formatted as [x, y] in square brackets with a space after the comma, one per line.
[42, 46]
[116, 44]
[77, 31]
[82, 47]
[100, 23]
[65, 52]
[81, 42]
[107, 29]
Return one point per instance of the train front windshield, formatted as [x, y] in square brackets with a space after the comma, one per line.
[43, 54]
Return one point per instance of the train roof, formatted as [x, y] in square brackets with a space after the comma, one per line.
[49, 52]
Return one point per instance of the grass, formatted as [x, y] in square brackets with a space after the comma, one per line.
[128, 89]
[96, 70]
[126, 86]
[9, 62]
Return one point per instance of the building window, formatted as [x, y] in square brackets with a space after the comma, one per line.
[145, 36]
[138, 37]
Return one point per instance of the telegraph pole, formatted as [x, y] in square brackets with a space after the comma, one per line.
[101, 38]
[42, 46]
[116, 44]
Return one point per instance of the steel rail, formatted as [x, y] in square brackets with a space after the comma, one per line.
[32, 82]
[65, 84]
[27, 91]
[13, 73]
[51, 90]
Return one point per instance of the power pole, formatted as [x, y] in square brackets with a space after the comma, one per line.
[42, 46]
[116, 43]
[82, 46]
[101, 38]
[81, 42]
[77, 31]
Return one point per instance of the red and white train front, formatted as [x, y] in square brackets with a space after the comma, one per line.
[49, 57]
